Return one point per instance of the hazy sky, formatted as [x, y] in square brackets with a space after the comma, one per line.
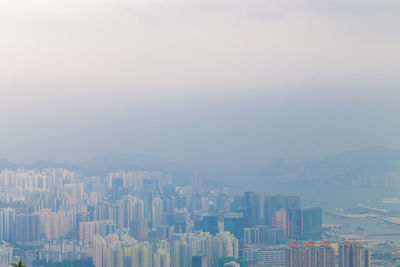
[215, 83]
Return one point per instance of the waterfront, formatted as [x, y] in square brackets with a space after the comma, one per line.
[374, 199]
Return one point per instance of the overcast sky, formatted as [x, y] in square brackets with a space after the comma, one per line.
[215, 83]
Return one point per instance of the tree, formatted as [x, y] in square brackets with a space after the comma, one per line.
[20, 264]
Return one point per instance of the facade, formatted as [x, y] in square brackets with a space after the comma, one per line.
[99, 249]
[353, 254]
[310, 254]
[87, 230]
[30, 228]
[7, 220]
[6, 254]
[156, 212]
[271, 256]
[295, 224]
[253, 203]
[271, 205]
[312, 223]
[234, 223]
[210, 224]
[295, 255]
[139, 229]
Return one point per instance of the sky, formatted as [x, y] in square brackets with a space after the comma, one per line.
[219, 84]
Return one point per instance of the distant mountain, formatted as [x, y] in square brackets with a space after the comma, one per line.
[130, 161]
[42, 164]
[5, 164]
[341, 168]
[101, 166]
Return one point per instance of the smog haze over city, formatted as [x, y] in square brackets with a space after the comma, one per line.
[155, 132]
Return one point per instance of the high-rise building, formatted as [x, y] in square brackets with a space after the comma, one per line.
[225, 245]
[199, 261]
[239, 202]
[326, 255]
[252, 235]
[116, 185]
[6, 254]
[279, 221]
[161, 259]
[294, 255]
[156, 212]
[29, 228]
[117, 213]
[312, 221]
[210, 224]
[56, 223]
[234, 223]
[253, 203]
[270, 236]
[270, 256]
[102, 211]
[201, 245]
[271, 205]
[99, 248]
[7, 220]
[129, 209]
[127, 252]
[262, 235]
[310, 254]
[294, 224]
[162, 256]
[88, 229]
[139, 229]
[292, 202]
[107, 228]
[353, 254]
[181, 255]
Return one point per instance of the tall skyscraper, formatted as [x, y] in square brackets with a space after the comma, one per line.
[161, 259]
[99, 248]
[210, 224]
[253, 203]
[294, 255]
[225, 245]
[280, 221]
[116, 185]
[199, 261]
[353, 254]
[29, 228]
[88, 229]
[139, 229]
[234, 223]
[326, 255]
[6, 254]
[310, 254]
[312, 223]
[292, 202]
[252, 235]
[271, 205]
[156, 212]
[294, 224]
[271, 236]
[7, 221]
[181, 255]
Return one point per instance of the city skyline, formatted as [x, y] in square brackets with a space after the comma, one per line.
[199, 133]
